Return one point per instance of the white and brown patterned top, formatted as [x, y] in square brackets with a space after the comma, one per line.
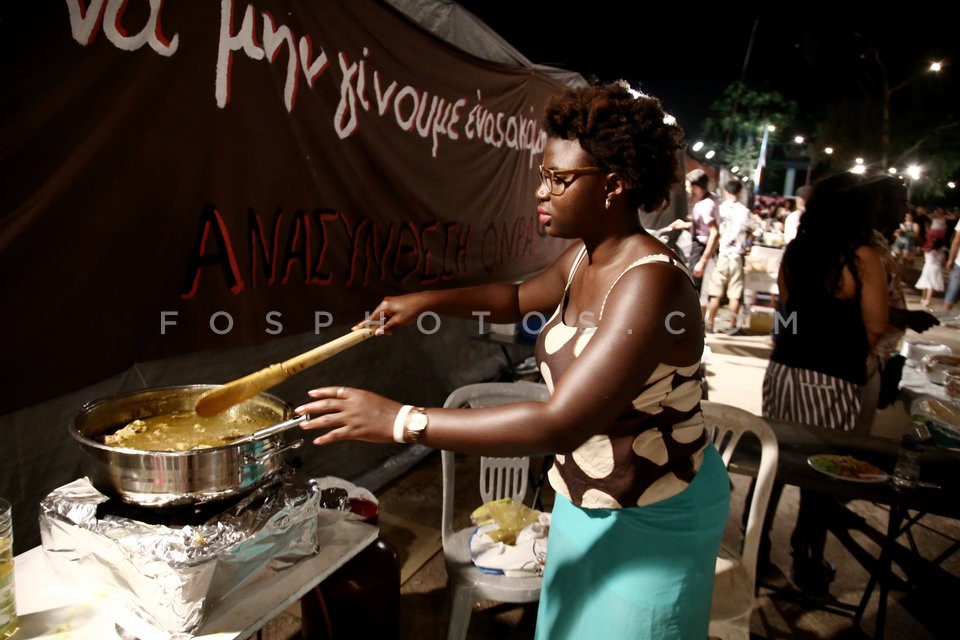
[653, 450]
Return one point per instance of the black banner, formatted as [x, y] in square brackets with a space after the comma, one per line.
[182, 175]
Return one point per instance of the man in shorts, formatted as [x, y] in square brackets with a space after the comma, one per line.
[727, 277]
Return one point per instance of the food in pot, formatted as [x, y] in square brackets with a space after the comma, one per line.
[157, 479]
[183, 431]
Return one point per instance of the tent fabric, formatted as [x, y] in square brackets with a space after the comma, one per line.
[458, 26]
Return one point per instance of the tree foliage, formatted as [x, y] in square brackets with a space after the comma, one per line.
[737, 122]
[864, 87]
[851, 123]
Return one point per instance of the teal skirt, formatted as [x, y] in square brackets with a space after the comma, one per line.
[641, 572]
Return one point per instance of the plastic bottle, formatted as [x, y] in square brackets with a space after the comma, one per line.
[906, 473]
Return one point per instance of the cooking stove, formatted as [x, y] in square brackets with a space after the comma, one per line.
[172, 565]
[173, 516]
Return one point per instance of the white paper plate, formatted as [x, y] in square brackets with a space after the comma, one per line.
[917, 349]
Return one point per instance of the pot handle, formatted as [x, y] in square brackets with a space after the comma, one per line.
[263, 456]
[272, 429]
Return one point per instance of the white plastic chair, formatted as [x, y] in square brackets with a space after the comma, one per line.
[499, 478]
[734, 587]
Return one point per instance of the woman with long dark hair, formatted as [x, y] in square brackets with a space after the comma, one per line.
[833, 292]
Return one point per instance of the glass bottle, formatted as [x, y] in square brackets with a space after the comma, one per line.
[8, 598]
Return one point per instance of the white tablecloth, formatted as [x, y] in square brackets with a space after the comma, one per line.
[914, 383]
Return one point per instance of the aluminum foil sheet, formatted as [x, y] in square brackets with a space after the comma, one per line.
[171, 576]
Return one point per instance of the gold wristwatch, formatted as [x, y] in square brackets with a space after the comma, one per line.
[415, 425]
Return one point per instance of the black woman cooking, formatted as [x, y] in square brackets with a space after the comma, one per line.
[642, 495]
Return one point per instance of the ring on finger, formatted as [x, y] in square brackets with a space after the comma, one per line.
[340, 392]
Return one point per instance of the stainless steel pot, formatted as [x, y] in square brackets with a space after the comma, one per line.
[170, 478]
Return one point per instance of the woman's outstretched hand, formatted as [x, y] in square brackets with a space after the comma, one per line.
[394, 311]
[349, 414]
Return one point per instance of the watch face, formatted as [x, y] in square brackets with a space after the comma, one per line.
[415, 426]
[418, 421]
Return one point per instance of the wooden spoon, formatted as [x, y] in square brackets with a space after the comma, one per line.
[223, 397]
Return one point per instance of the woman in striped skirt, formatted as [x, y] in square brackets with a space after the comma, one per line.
[833, 291]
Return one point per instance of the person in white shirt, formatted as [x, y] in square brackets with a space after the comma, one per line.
[727, 276]
[702, 223]
[792, 222]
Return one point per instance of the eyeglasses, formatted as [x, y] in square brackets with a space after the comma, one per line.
[555, 184]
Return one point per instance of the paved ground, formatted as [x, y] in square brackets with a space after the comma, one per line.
[410, 520]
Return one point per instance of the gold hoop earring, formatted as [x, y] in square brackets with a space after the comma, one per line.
[606, 204]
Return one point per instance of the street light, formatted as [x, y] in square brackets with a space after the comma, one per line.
[888, 91]
[807, 150]
[913, 174]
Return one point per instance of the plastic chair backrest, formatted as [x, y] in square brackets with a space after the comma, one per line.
[499, 477]
[504, 478]
[727, 425]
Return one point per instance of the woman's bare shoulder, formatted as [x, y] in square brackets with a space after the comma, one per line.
[869, 257]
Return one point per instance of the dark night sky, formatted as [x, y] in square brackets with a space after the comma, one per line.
[688, 61]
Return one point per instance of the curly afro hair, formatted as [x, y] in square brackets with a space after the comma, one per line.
[625, 134]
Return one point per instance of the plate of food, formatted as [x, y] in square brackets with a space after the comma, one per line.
[847, 468]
